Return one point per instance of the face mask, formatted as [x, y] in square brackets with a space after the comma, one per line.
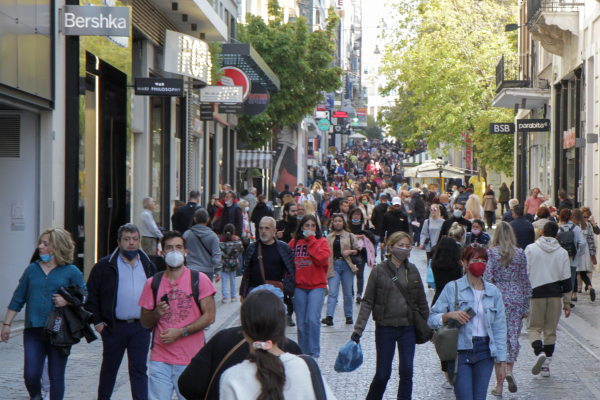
[356, 221]
[400, 254]
[46, 257]
[477, 269]
[457, 213]
[475, 232]
[246, 209]
[307, 233]
[229, 203]
[406, 200]
[364, 202]
[446, 204]
[129, 254]
[174, 259]
[298, 217]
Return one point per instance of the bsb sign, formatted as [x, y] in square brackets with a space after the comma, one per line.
[96, 21]
[500, 128]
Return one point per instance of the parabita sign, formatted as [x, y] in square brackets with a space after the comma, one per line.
[96, 21]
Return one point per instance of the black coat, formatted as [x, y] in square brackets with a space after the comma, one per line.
[261, 210]
[418, 206]
[194, 380]
[377, 217]
[103, 284]
[183, 219]
[448, 224]
[507, 216]
[566, 203]
[524, 232]
[394, 222]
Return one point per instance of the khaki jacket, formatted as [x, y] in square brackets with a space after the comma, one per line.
[489, 203]
[347, 242]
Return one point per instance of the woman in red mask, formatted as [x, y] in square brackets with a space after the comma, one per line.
[481, 317]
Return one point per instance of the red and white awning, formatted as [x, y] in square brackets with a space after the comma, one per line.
[254, 159]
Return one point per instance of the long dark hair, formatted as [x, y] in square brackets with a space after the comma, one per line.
[447, 254]
[299, 230]
[228, 232]
[263, 318]
[338, 215]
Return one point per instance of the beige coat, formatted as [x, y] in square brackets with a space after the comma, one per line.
[489, 203]
[347, 242]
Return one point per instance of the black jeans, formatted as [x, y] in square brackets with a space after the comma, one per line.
[503, 206]
[360, 279]
[489, 217]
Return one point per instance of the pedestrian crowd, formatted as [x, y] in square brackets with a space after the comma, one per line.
[154, 295]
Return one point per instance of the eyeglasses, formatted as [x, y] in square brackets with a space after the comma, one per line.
[477, 245]
[405, 247]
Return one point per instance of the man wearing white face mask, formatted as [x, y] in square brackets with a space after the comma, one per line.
[457, 216]
[178, 304]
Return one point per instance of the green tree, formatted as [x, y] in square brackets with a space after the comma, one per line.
[441, 56]
[373, 130]
[301, 60]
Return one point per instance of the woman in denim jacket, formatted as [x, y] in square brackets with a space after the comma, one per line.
[482, 338]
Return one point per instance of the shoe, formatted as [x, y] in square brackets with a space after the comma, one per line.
[358, 299]
[546, 368]
[47, 395]
[446, 385]
[224, 300]
[233, 299]
[573, 298]
[497, 392]
[512, 384]
[327, 321]
[572, 305]
[289, 321]
[349, 321]
[538, 364]
[592, 294]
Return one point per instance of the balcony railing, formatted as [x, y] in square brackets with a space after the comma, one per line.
[507, 75]
[534, 7]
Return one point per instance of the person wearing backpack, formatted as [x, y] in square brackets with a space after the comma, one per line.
[570, 237]
[178, 305]
[203, 246]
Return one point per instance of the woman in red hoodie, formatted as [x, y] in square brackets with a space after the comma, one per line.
[311, 254]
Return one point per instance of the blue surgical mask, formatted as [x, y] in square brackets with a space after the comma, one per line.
[46, 257]
[247, 209]
[129, 254]
[356, 221]
[298, 217]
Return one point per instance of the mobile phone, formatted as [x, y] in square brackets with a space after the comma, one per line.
[470, 312]
[165, 298]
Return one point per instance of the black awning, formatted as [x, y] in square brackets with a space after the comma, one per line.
[244, 57]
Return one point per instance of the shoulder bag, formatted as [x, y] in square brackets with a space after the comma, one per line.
[446, 339]
[237, 346]
[316, 377]
[277, 284]
[424, 332]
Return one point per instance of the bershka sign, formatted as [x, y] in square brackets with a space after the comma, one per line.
[158, 87]
[533, 125]
[96, 21]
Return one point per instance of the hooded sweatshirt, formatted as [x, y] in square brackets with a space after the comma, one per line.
[312, 262]
[549, 268]
[204, 258]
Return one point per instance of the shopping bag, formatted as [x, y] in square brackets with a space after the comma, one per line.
[349, 358]
[430, 280]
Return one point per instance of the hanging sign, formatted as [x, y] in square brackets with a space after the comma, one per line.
[206, 112]
[324, 124]
[158, 87]
[232, 76]
[187, 55]
[533, 125]
[257, 101]
[96, 21]
[340, 114]
[569, 138]
[500, 128]
[222, 94]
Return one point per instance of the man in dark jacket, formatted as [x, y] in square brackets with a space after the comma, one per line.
[524, 231]
[232, 214]
[394, 221]
[285, 191]
[419, 217]
[457, 216]
[260, 210]
[114, 288]
[183, 219]
[378, 215]
[508, 216]
[274, 194]
[565, 202]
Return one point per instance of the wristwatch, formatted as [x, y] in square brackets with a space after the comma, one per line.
[185, 332]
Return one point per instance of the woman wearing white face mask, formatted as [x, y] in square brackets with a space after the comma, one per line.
[248, 228]
[393, 315]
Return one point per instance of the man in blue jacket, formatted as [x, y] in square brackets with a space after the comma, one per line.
[114, 288]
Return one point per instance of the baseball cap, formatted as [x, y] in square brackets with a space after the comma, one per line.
[396, 201]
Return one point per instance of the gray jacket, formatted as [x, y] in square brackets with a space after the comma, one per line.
[252, 200]
[199, 258]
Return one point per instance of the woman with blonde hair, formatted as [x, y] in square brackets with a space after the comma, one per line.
[38, 288]
[474, 209]
[247, 227]
[457, 232]
[287, 199]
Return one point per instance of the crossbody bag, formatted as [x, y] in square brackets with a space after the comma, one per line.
[277, 284]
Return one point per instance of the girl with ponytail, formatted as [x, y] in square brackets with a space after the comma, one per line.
[269, 373]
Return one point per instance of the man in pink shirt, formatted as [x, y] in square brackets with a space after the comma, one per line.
[533, 203]
[174, 315]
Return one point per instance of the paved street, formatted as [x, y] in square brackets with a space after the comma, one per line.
[575, 368]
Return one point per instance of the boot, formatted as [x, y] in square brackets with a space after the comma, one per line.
[290, 321]
[327, 321]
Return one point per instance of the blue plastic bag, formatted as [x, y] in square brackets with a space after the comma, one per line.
[349, 358]
[430, 280]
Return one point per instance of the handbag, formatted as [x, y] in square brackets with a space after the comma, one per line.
[446, 339]
[424, 332]
[430, 280]
[277, 284]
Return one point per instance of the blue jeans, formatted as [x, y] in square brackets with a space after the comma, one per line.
[225, 277]
[475, 368]
[136, 340]
[386, 338]
[37, 348]
[344, 275]
[308, 305]
[163, 380]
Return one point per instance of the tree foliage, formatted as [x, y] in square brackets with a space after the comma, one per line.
[301, 60]
[441, 56]
[373, 130]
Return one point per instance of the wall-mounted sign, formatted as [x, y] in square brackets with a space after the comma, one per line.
[206, 112]
[232, 76]
[188, 56]
[324, 124]
[499, 128]
[330, 97]
[96, 21]
[257, 101]
[569, 138]
[222, 94]
[533, 125]
[159, 87]
[340, 114]
[231, 108]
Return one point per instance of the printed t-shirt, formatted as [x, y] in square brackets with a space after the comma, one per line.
[183, 312]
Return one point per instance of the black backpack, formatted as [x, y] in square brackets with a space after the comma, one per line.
[566, 239]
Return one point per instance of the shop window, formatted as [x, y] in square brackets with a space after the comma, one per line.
[156, 152]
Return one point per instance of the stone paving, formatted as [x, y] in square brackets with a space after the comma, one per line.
[575, 368]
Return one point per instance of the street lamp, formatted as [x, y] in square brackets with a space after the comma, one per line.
[382, 24]
[376, 50]
[512, 27]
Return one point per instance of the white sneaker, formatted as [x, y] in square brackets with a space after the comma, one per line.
[541, 359]
[47, 395]
[446, 385]
[546, 367]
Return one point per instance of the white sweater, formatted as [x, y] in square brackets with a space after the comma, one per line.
[547, 262]
[239, 382]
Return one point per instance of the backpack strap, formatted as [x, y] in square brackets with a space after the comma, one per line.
[156, 279]
[315, 377]
[196, 287]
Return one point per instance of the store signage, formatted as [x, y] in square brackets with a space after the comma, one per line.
[499, 128]
[96, 21]
[232, 76]
[321, 107]
[361, 112]
[206, 112]
[324, 124]
[222, 94]
[340, 114]
[231, 108]
[257, 101]
[159, 87]
[330, 97]
[533, 125]
[569, 138]
[188, 56]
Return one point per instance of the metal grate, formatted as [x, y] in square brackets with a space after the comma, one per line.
[151, 21]
[10, 136]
